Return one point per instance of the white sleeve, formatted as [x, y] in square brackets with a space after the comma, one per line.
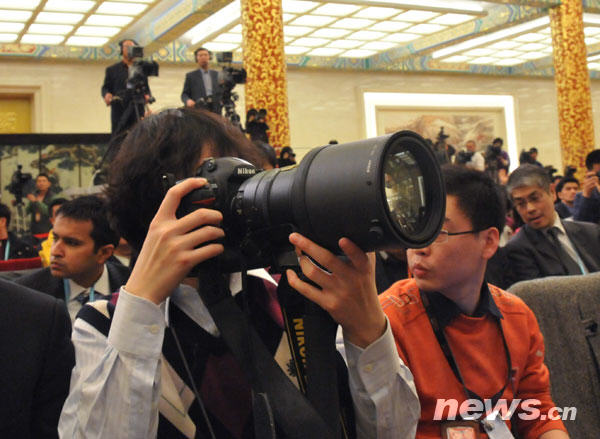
[383, 391]
[115, 385]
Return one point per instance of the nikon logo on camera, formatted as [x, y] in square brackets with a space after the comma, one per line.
[242, 171]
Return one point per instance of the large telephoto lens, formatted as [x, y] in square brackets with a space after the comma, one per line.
[382, 193]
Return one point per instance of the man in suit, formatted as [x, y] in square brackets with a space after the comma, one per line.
[545, 245]
[37, 353]
[114, 91]
[201, 87]
[11, 247]
[83, 242]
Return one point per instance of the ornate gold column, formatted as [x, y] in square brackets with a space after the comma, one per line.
[572, 83]
[264, 61]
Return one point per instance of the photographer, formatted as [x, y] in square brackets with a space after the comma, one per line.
[471, 158]
[587, 202]
[201, 87]
[115, 93]
[497, 161]
[39, 201]
[160, 351]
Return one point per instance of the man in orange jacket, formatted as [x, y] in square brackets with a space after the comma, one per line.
[476, 352]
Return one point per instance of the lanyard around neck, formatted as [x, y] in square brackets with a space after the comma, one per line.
[443, 342]
[67, 288]
[7, 249]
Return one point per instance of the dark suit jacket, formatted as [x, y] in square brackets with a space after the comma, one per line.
[42, 280]
[193, 88]
[37, 358]
[529, 255]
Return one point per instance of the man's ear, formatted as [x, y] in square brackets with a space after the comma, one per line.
[104, 253]
[491, 241]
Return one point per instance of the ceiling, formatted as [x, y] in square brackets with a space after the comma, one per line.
[495, 37]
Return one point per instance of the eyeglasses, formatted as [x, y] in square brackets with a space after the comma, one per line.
[534, 198]
[443, 236]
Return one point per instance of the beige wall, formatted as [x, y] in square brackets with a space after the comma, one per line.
[324, 105]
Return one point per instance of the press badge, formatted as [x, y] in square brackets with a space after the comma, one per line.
[495, 427]
[460, 430]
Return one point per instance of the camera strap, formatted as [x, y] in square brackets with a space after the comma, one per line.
[273, 390]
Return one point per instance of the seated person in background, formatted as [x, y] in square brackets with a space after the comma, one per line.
[545, 245]
[37, 358]
[11, 247]
[83, 241]
[38, 206]
[587, 202]
[463, 340]
[131, 359]
[47, 243]
[566, 190]
[390, 266]
[287, 157]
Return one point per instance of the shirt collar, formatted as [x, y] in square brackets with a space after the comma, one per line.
[102, 285]
[445, 310]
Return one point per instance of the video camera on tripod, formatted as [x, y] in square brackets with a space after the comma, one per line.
[229, 77]
[18, 182]
[137, 81]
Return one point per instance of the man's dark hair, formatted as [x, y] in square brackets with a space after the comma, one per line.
[5, 213]
[94, 209]
[55, 202]
[592, 158]
[479, 198]
[498, 140]
[565, 180]
[170, 142]
[43, 174]
[528, 175]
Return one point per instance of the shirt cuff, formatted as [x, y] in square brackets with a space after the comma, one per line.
[375, 364]
[138, 326]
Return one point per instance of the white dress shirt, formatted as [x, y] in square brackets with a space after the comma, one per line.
[116, 383]
[102, 286]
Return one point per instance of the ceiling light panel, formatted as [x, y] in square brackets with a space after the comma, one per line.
[108, 20]
[484, 60]
[533, 55]
[366, 35]
[219, 21]
[416, 16]
[532, 47]
[345, 44]
[51, 29]
[69, 5]
[97, 31]
[86, 41]
[19, 4]
[49, 40]
[310, 42]
[121, 8]
[8, 38]
[504, 45]
[390, 26]
[377, 13]
[378, 46]
[20, 16]
[530, 37]
[325, 51]
[288, 17]
[313, 20]
[6, 26]
[229, 38]
[330, 33]
[401, 37]
[479, 52]
[507, 53]
[298, 6]
[456, 58]
[509, 62]
[335, 9]
[359, 53]
[58, 18]
[295, 50]
[297, 31]
[352, 23]
[221, 47]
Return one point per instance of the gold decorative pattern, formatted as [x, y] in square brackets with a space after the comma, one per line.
[8, 122]
[264, 61]
[572, 83]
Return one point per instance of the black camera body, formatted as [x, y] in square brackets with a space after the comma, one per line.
[139, 71]
[464, 157]
[18, 182]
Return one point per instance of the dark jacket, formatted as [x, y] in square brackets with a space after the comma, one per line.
[18, 249]
[42, 280]
[530, 255]
[193, 88]
[37, 358]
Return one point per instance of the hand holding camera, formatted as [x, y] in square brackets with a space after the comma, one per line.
[590, 182]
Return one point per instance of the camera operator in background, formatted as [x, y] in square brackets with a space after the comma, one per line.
[256, 125]
[443, 151]
[115, 91]
[471, 158]
[497, 161]
[39, 202]
[136, 354]
[202, 88]
[587, 202]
